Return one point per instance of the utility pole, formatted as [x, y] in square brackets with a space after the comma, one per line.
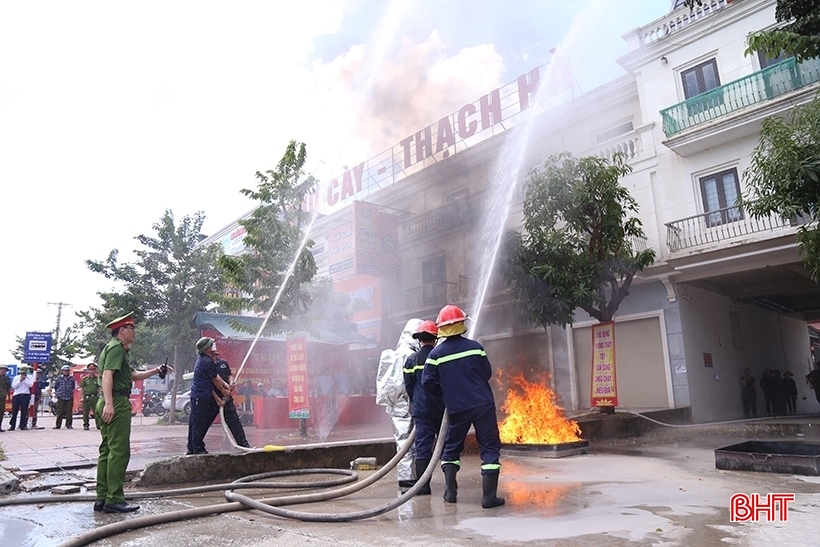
[60, 306]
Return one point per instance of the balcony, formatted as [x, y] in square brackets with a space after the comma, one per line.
[438, 221]
[437, 294]
[724, 224]
[762, 86]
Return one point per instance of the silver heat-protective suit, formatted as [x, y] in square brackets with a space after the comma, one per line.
[390, 393]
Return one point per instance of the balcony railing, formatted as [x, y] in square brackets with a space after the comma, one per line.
[764, 85]
[438, 221]
[433, 294]
[721, 225]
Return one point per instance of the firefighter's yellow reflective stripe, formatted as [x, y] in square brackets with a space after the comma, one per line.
[454, 356]
[411, 370]
[491, 466]
[454, 462]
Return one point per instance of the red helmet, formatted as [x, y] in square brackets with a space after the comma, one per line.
[429, 327]
[450, 314]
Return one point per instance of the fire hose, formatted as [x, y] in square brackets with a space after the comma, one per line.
[269, 505]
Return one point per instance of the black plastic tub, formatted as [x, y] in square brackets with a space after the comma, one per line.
[770, 457]
[557, 450]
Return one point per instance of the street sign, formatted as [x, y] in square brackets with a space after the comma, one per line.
[37, 348]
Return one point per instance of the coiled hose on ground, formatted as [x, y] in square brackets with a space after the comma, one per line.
[269, 505]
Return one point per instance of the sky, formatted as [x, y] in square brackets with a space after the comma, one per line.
[112, 113]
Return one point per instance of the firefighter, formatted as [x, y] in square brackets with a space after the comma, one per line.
[390, 393]
[459, 370]
[427, 408]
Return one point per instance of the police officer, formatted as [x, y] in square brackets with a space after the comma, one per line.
[204, 405]
[459, 370]
[114, 410]
[427, 408]
[90, 387]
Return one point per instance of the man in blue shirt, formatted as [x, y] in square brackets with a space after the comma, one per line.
[459, 370]
[204, 407]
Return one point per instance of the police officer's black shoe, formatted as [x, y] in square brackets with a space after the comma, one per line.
[98, 505]
[121, 507]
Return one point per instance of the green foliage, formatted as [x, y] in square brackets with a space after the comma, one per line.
[800, 36]
[783, 177]
[172, 278]
[577, 249]
[273, 237]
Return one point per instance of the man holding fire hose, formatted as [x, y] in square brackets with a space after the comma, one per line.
[459, 370]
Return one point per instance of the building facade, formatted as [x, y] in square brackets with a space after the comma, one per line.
[416, 227]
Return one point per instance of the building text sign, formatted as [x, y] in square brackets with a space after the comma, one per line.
[296, 355]
[604, 384]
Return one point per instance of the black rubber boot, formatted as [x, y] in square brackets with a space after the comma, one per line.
[489, 485]
[421, 466]
[450, 470]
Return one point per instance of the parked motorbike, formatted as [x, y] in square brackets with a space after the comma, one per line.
[152, 404]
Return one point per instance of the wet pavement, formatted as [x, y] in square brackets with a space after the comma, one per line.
[661, 489]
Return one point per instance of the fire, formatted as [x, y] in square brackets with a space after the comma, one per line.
[533, 417]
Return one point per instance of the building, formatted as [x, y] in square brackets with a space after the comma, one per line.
[414, 228]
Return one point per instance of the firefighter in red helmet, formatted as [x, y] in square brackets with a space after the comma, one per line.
[459, 370]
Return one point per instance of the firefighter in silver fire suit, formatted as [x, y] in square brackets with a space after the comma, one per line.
[390, 393]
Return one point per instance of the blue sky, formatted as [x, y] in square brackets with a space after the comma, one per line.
[112, 113]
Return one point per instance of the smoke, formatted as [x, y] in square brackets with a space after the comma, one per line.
[416, 87]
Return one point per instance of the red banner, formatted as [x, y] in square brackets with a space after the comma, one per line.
[604, 384]
[296, 355]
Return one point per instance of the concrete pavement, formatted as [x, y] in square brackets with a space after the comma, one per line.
[658, 489]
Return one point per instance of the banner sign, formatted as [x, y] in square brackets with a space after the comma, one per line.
[296, 355]
[37, 347]
[604, 384]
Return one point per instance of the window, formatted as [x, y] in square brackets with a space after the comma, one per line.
[434, 281]
[697, 81]
[720, 191]
[700, 79]
[765, 62]
[622, 129]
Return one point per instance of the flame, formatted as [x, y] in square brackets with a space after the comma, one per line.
[533, 417]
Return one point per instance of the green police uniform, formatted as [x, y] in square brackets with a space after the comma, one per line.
[115, 448]
[91, 393]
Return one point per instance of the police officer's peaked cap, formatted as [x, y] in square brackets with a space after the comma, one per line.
[4, 366]
[203, 344]
[127, 319]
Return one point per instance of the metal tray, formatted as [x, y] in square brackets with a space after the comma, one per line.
[558, 450]
[770, 457]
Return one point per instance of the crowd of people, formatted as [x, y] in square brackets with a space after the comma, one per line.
[779, 393]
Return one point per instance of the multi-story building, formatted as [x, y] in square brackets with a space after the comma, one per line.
[414, 228]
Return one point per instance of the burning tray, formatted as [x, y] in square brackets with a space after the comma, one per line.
[558, 450]
[770, 457]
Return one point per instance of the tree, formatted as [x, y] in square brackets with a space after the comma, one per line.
[783, 177]
[578, 246]
[273, 237]
[173, 277]
[799, 37]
